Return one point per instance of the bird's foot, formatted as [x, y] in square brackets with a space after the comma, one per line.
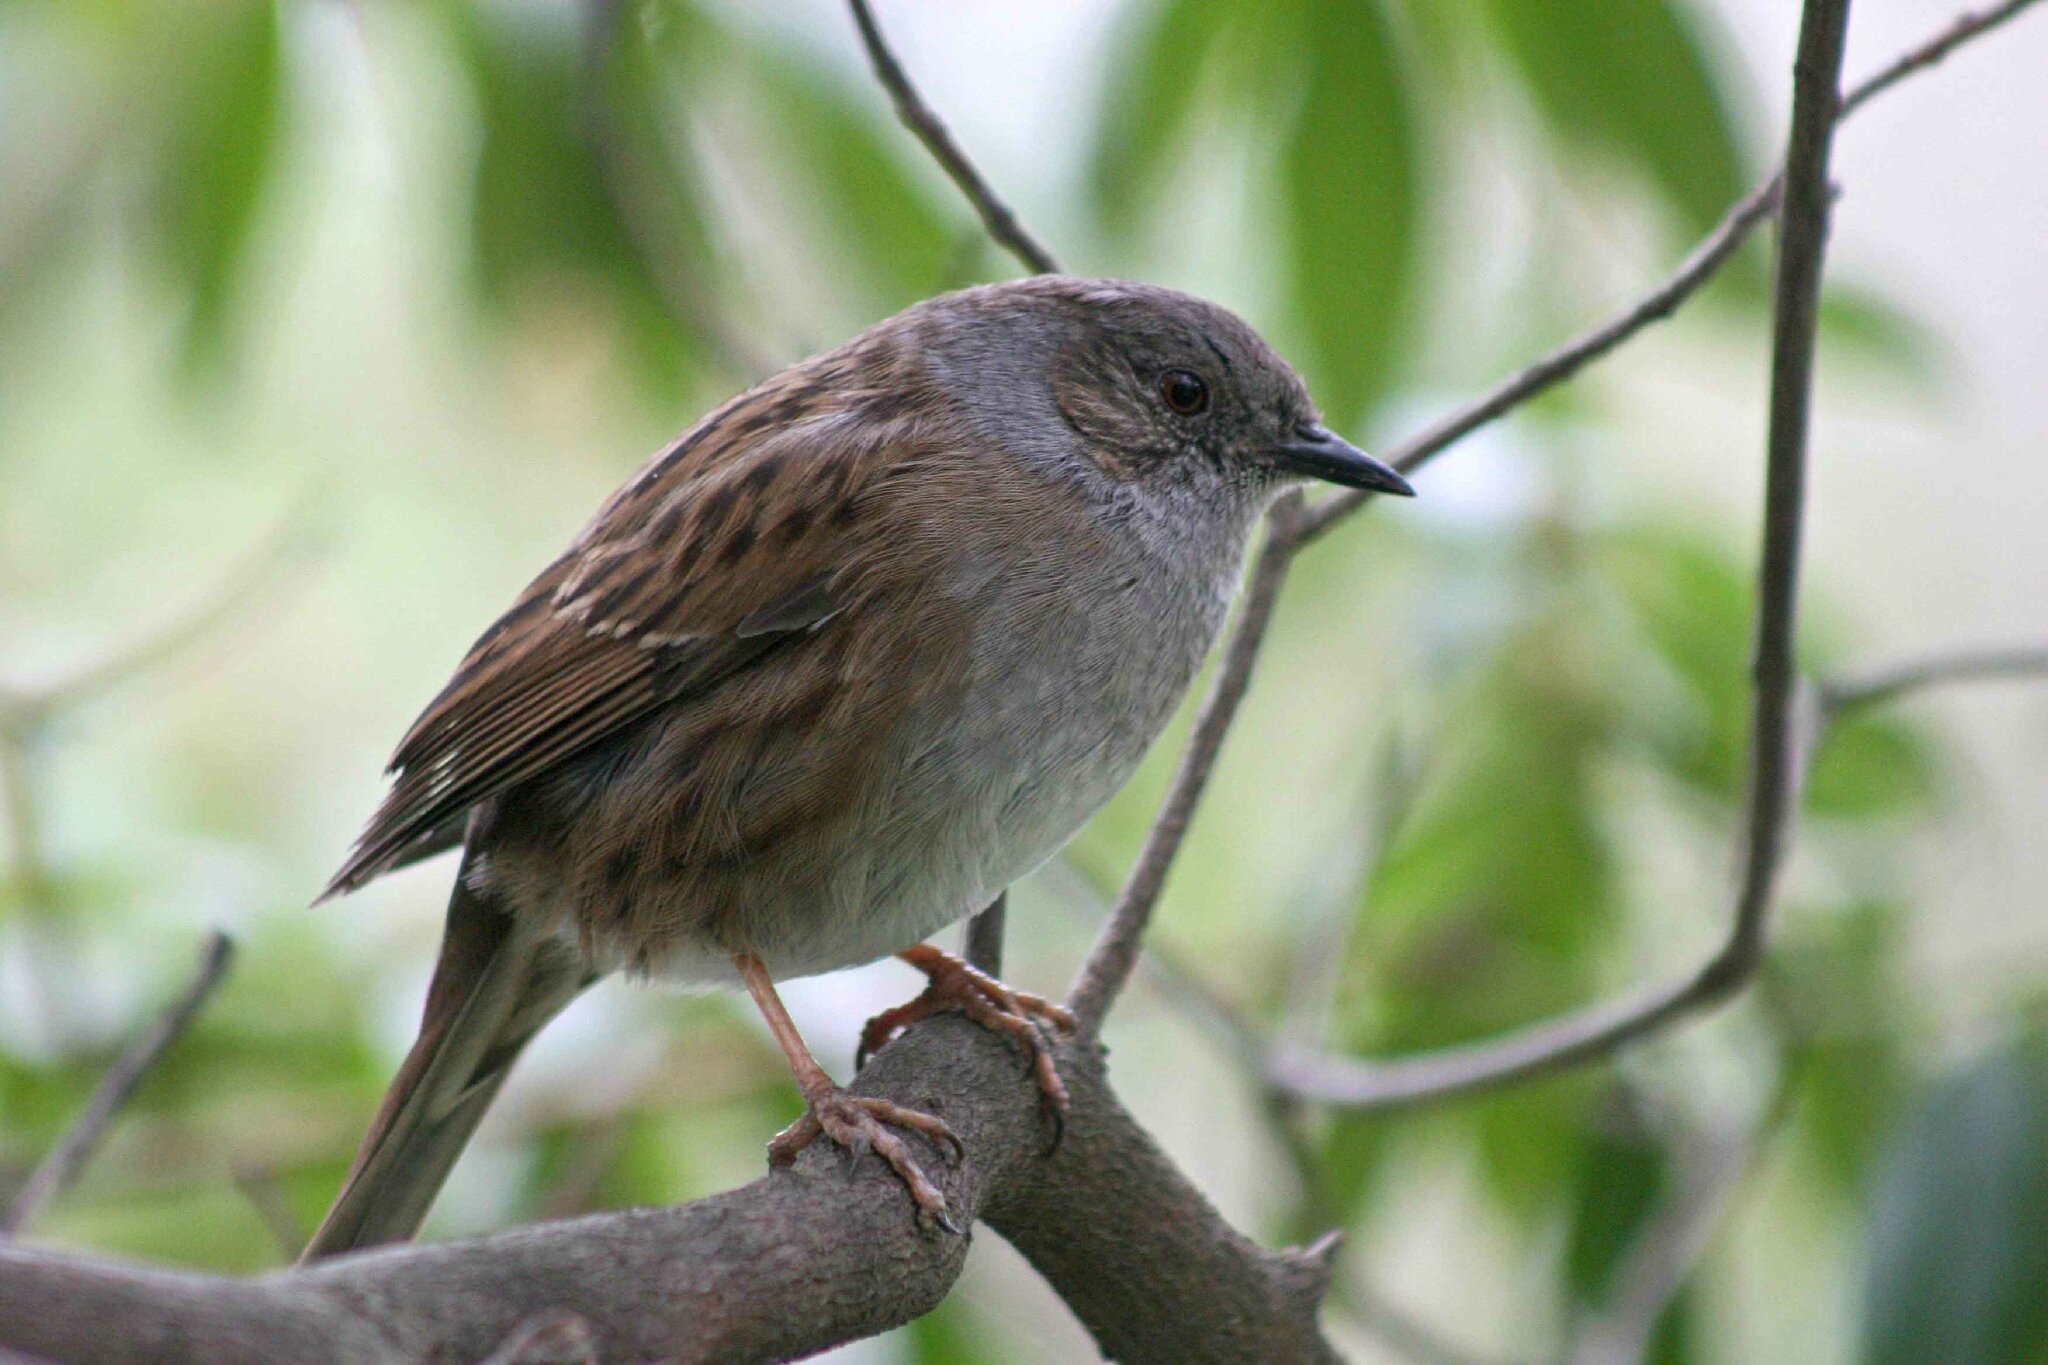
[862, 1124]
[1021, 1017]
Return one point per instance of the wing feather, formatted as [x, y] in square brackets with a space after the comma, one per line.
[747, 532]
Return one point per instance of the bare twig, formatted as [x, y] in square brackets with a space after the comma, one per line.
[1777, 736]
[1889, 683]
[1598, 1030]
[920, 119]
[983, 946]
[1965, 28]
[1699, 266]
[1802, 244]
[128, 1072]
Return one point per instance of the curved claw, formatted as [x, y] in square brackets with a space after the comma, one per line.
[862, 1124]
[1024, 1019]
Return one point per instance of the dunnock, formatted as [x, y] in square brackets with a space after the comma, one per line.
[864, 646]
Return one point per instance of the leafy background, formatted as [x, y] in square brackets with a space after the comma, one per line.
[328, 322]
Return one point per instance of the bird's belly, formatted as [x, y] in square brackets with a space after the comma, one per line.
[1053, 725]
[1056, 710]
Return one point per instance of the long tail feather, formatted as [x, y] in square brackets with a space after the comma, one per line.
[496, 985]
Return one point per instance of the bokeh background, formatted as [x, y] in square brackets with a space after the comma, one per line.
[324, 324]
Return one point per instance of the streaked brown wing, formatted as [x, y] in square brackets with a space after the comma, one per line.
[746, 534]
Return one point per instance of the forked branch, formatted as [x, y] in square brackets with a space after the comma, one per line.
[1600, 1029]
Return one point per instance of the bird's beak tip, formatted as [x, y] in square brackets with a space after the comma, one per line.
[1319, 453]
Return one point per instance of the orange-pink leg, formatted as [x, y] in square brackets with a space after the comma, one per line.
[855, 1122]
[957, 985]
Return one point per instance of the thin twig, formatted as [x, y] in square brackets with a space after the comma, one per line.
[983, 946]
[1965, 28]
[1109, 965]
[259, 1184]
[1604, 1027]
[1778, 729]
[1889, 683]
[57, 1170]
[1700, 265]
[920, 119]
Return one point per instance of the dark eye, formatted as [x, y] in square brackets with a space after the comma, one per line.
[1185, 393]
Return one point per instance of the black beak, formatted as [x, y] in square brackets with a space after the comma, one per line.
[1322, 454]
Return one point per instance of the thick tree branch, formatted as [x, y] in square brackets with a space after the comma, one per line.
[808, 1258]
[799, 1260]
[64, 1161]
[923, 121]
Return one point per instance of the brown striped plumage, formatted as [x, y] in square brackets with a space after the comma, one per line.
[865, 644]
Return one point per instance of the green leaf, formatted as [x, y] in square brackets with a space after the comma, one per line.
[1874, 329]
[1351, 181]
[1629, 79]
[1162, 64]
[576, 180]
[855, 169]
[1841, 982]
[217, 76]
[1871, 766]
[1482, 913]
[1958, 1235]
[948, 1335]
[1623, 1174]
[1693, 603]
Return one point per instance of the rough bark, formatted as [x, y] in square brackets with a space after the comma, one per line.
[802, 1259]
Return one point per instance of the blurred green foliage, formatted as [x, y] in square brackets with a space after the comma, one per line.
[1956, 1247]
[601, 178]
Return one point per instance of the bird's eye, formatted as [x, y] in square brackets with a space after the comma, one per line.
[1185, 393]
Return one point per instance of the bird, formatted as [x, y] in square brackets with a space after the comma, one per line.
[861, 648]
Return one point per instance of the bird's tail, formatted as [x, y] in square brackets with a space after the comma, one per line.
[497, 983]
